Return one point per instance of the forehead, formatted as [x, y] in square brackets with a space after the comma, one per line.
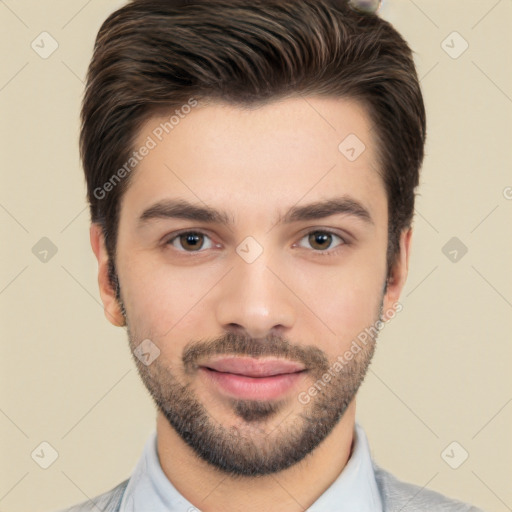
[269, 156]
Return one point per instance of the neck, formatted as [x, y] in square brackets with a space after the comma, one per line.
[294, 489]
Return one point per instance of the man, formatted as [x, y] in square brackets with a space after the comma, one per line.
[251, 169]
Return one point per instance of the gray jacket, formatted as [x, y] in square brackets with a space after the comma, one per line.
[396, 496]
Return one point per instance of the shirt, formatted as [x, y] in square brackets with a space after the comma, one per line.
[149, 490]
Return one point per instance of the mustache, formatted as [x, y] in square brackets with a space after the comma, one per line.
[242, 345]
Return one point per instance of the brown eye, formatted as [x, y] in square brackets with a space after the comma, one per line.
[319, 240]
[190, 241]
[193, 241]
[322, 240]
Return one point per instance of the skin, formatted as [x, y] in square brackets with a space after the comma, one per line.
[255, 164]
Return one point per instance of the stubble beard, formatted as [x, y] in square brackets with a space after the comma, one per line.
[263, 440]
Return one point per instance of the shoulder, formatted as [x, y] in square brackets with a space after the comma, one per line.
[106, 502]
[397, 495]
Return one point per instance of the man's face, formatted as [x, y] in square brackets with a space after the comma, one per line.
[251, 309]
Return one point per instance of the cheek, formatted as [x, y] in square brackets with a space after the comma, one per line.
[162, 301]
[345, 299]
[351, 309]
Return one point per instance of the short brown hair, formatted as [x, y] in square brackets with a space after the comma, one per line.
[157, 54]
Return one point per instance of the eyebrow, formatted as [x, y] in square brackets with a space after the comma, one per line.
[181, 209]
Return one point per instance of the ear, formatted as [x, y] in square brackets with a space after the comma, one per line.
[399, 271]
[111, 305]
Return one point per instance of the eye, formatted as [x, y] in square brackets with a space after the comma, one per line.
[190, 241]
[322, 240]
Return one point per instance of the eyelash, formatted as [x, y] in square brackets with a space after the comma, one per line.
[326, 253]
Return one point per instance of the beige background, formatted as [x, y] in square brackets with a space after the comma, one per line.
[442, 371]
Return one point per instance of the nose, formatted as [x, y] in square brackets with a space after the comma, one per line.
[255, 300]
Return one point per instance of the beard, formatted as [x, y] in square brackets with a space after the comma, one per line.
[257, 444]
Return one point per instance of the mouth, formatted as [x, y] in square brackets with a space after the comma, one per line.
[250, 378]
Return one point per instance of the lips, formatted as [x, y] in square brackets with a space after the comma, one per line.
[252, 379]
[250, 367]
